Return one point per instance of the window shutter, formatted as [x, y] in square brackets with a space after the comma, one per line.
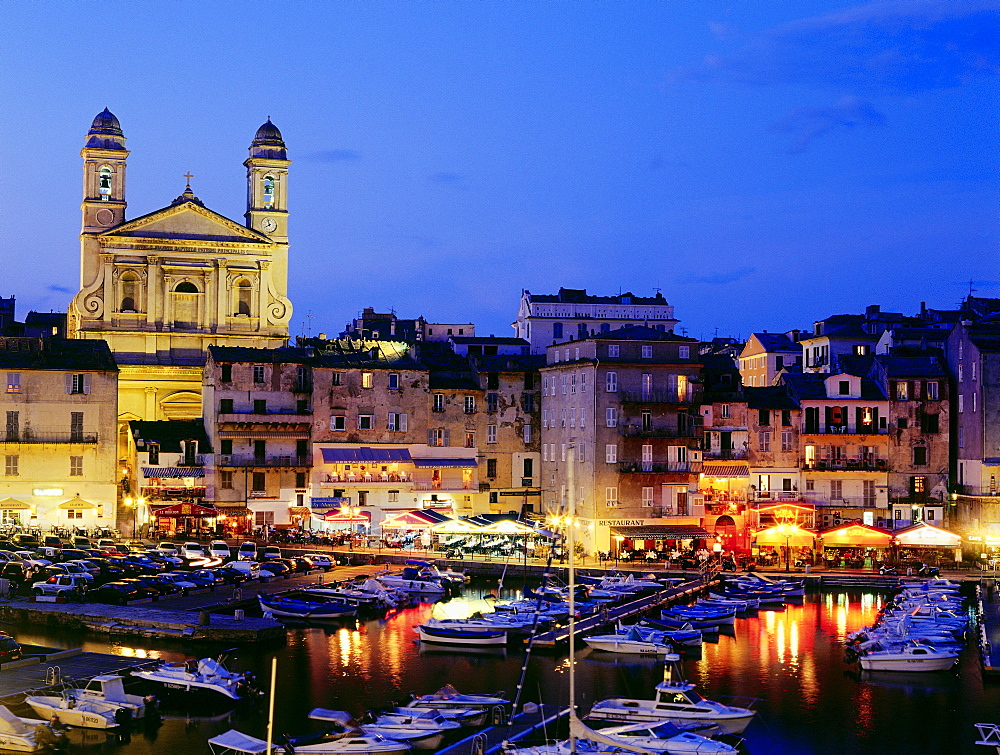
[86, 383]
[69, 383]
[401, 422]
[829, 416]
[859, 417]
[430, 437]
[447, 437]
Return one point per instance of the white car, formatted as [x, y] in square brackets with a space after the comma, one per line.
[219, 549]
[247, 552]
[32, 559]
[250, 568]
[320, 560]
[68, 567]
[179, 580]
[171, 558]
[68, 585]
[192, 550]
[168, 548]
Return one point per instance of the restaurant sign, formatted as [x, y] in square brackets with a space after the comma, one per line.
[326, 504]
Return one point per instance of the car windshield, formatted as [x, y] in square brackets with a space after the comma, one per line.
[74, 568]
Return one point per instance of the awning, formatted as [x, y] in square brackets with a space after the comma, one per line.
[77, 503]
[443, 463]
[12, 504]
[725, 469]
[227, 504]
[661, 532]
[509, 527]
[360, 517]
[784, 534]
[299, 510]
[241, 511]
[365, 455]
[856, 535]
[457, 527]
[154, 472]
[927, 535]
[179, 510]
[414, 520]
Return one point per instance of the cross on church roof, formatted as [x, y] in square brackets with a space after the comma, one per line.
[189, 175]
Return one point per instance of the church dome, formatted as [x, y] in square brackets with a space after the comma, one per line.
[267, 142]
[106, 132]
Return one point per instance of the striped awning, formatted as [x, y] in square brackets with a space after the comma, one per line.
[364, 454]
[444, 463]
[725, 469]
[154, 472]
[661, 532]
[265, 434]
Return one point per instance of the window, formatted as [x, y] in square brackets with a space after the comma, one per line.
[470, 404]
[724, 411]
[612, 349]
[226, 371]
[562, 419]
[786, 441]
[810, 486]
[583, 382]
[76, 466]
[393, 496]
[366, 421]
[562, 384]
[868, 493]
[470, 439]
[393, 381]
[919, 485]
[527, 402]
[860, 349]
[647, 351]
[226, 446]
[13, 425]
[104, 184]
[335, 378]
[836, 490]
[300, 480]
[438, 402]
[572, 384]
[10, 465]
[75, 426]
[491, 467]
[931, 391]
[258, 373]
[611, 382]
[438, 436]
[929, 423]
[397, 422]
[545, 419]
[764, 440]
[226, 479]
[581, 330]
[647, 498]
[259, 484]
[259, 450]
[527, 432]
[786, 418]
[583, 417]
[572, 417]
[562, 452]
[338, 422]
[243, 298]
[611, 417]
[74, 513]
[920, 456]
[366, 380]
[764, 417]
[961, 437]
[611, 497]
[684, 352]
[647, 421]
[845, 387]
[961, 403]
[974, 364]
[557, 330]
[611, 453]
[268, 187]
[902, 390]
[78, 384]
[154, 453]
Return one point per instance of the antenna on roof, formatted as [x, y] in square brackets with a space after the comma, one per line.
[971, 289]
[309, 316]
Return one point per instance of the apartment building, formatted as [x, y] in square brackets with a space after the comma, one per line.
[621, 430]
[60, 448]
[766, 355]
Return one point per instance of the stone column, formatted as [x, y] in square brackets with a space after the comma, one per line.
[108, 261]
[151, 407]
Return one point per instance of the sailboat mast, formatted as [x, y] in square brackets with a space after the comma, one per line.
[571, 544]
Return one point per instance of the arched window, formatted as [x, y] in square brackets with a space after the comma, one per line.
[185, 305]
[130, 291]
[104, 183]
[244, 292]
[268, 192]
[186, 288]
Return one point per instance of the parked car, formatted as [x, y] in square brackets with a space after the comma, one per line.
[52, 541]
[85, 564]
[162, 587]
[70, 586]
[106, 543]
[277, 568]
[192, 550]
[320, 561]
[56, 570]
[129, 568]
[121, 592]
[72, 554]
[219, 549]
[19, 573]
[147, 565]
[78, 541]
[10, 649]
[163, 558]
[23, 540]
[250, 568]
[107, 570]
[247, 552]
[181, 580]
[269, 552]
[170, 548]
[207, 577]
[233, 576]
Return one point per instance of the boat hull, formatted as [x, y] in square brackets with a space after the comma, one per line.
[728, 724]
[875, 663]
[459, 637]
[632, 647]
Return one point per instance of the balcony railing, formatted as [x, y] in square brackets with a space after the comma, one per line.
[264, 461]
[271, 415]
[845, 430]
[340, 478]
[638, 431]
[661, 467]
[655, 397]
[168, 493]
[846, 465]
[48, 436]
[302, 386]
[445, 485]
[725, 454]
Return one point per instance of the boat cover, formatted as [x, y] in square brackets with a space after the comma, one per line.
[336, 716]
[239, 742]
[11, 724]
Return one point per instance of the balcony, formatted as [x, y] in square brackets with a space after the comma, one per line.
[725, 454]
[271, 415]
[445, 485]
[171, 493]
[264, 461]
[302, 386]
[663, 467]
[638, 431]
[845, 430]
[386, 478]
[654, 397]
[49, 436]
[846, 465]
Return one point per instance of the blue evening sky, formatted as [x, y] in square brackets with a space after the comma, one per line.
[763, 164]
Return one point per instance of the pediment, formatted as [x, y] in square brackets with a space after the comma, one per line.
[187, 220]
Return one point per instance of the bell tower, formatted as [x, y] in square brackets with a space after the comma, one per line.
[267, 184]
[104, 157]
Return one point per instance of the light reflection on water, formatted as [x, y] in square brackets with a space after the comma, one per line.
[810, 701]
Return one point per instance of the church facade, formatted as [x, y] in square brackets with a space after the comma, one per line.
[163, 287]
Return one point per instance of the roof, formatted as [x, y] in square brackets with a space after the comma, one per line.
[170, 433]
[914, 367]
[769, 397]
[580, 296]
[638, 333]
[508, 363]
[776, 342]
[74, 355]
[268, 143]
[489, 340]
[105, 132]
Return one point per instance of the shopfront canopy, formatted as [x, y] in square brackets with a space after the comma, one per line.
[181, 510]
[457, 527]
[13, 504]
[661, 532]
[365, 455]
[927, 536]
[348, 517]
[170, 472]
[417, 519]
[785, 534]
[509, 527]
[435, 463]
[856, 535]
[76, 502]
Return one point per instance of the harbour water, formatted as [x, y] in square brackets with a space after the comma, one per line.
[791, 661]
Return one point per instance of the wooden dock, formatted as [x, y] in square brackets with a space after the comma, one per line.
[612, 614]
[47, 666]
[535, 721]
[988, 597]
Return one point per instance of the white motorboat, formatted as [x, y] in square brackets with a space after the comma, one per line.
[666, 737]
[205, 677]
[633, 641]
[110, 688]
[460, 716]
[447, 700]
[462, 634]
[423, 730]
[19, 734]
[87, 714]
[908, 657]
[411, 583]
[674, 701]
[234, 741]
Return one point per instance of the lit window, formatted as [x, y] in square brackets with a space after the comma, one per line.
[13, 382]
[932, 391]
[366, 380]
